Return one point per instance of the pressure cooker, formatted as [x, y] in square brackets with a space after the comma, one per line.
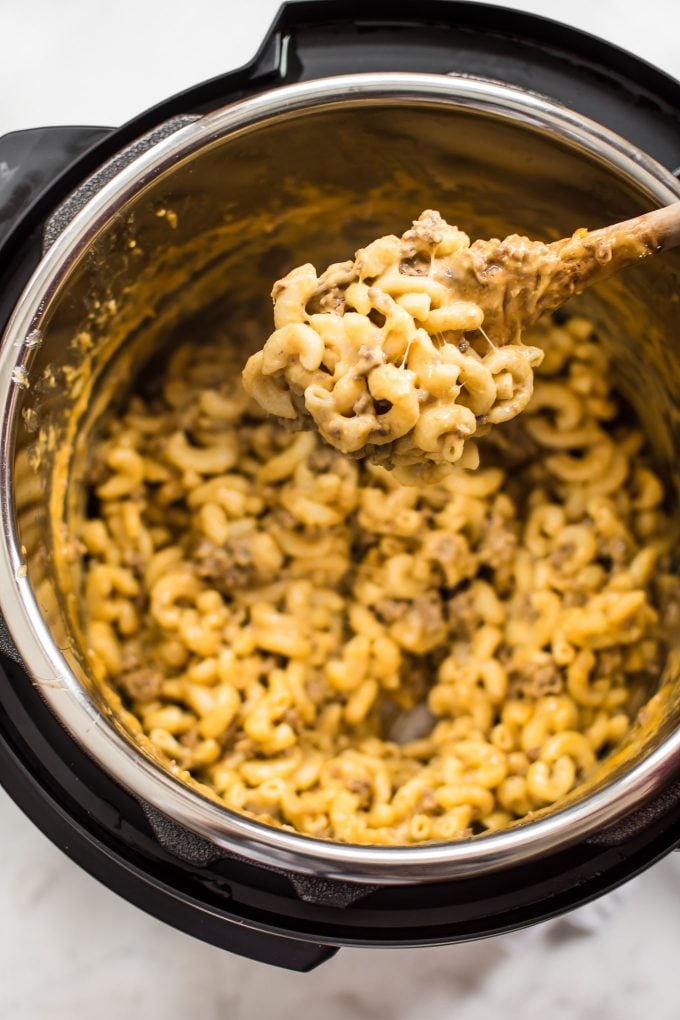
[125, 237]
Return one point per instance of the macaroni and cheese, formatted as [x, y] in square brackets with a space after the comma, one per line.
[406, 353]
[355, 659]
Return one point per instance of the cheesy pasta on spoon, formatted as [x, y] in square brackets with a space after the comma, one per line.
[412, 350]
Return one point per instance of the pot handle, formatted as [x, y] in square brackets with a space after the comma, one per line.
[30, 161]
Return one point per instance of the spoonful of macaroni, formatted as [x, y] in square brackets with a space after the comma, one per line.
[407, 353]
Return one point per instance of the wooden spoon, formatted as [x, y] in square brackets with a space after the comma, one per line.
[516, 280]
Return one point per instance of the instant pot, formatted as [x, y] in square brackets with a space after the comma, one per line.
[351, 118]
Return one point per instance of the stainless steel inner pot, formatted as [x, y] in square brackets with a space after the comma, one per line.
[195, 229]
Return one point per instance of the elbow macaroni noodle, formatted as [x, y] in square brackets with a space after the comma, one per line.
[359, 660]
[387, 354]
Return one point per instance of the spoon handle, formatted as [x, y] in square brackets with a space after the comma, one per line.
[592, 255]
[658, 230]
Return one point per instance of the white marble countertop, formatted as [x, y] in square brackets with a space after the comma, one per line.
[69, 948]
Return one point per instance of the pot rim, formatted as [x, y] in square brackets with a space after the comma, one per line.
[44, 661]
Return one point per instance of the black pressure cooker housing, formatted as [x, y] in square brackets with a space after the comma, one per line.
[268, 914]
